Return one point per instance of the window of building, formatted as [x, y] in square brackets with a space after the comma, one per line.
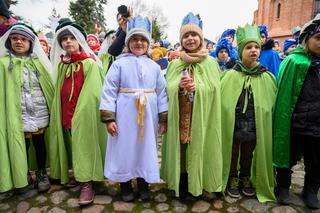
[278, 10]
[316, 7]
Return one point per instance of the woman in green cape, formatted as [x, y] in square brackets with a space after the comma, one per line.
[297, 116]
[191, 150]
[26, 92]
[79, 136]
[248, 93]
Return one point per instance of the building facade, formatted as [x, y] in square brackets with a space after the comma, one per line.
[281, 16]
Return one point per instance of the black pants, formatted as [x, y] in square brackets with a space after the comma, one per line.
[246, 146]
[40, 148]
[309, 147]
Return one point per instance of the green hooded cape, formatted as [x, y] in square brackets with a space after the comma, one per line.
[85, 150]
[13, 155]
[292, 73]
[204, 156]
[263, 87]
[105, 59]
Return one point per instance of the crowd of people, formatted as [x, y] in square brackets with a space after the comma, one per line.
[234, 119]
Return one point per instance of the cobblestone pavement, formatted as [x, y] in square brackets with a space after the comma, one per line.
[59, 199]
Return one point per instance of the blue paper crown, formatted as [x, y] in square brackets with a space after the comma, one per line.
[192, 19]
[139, 22]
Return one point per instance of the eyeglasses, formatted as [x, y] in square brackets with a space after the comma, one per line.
[19, 38]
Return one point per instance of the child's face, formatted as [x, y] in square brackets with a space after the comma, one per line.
[314, 44]
[138, 45]
[291, 48]
[20, 44]
[223, 54]
[44, 46]
[191, 41]
[92, 42]
[230, 38]
[70, 44]
[250, 53]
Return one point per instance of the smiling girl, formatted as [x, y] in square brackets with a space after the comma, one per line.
[191, 151]
[133, 102]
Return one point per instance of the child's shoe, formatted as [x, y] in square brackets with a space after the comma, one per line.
[42, 182]
[310, 198]
[282, 195]
[72, 183]
[86, 194]
[143, 188]
[233, 189]
[247, 188]
[127, 191]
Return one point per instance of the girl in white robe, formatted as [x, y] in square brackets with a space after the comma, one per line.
[133, 102]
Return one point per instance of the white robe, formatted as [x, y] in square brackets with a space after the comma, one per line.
[126, 158]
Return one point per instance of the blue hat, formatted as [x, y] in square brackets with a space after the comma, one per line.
[288, 43]
[295, 30]
[228, 32]
[263, 29]
[139, 26]
[191, 23]
[4, 11]
[277, 42]
[223, 43]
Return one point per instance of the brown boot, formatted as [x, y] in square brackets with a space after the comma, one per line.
[86, 194]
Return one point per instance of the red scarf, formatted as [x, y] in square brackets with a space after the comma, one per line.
[65, 59]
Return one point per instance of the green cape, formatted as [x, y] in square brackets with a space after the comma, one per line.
[204, 156]
[85, 150]
[292, 73]
[263, 88]
[105, 59]
[13, 155]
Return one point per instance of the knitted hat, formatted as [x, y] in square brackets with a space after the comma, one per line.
[92, 36]
[68, 22]
[223, 44]
[23, 29]
[310, 28]
[4, 11]
[139, 26]
[191, 23]
[263, 29]
[295, 30]
[288, 43]
[246, 34]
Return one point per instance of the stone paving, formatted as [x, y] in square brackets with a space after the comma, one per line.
[60, 199]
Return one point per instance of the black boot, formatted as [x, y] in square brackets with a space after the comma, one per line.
[42, 183]
[183, 186]
[127, 191]
[282, 195]
[310, 197]
[143, 188]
